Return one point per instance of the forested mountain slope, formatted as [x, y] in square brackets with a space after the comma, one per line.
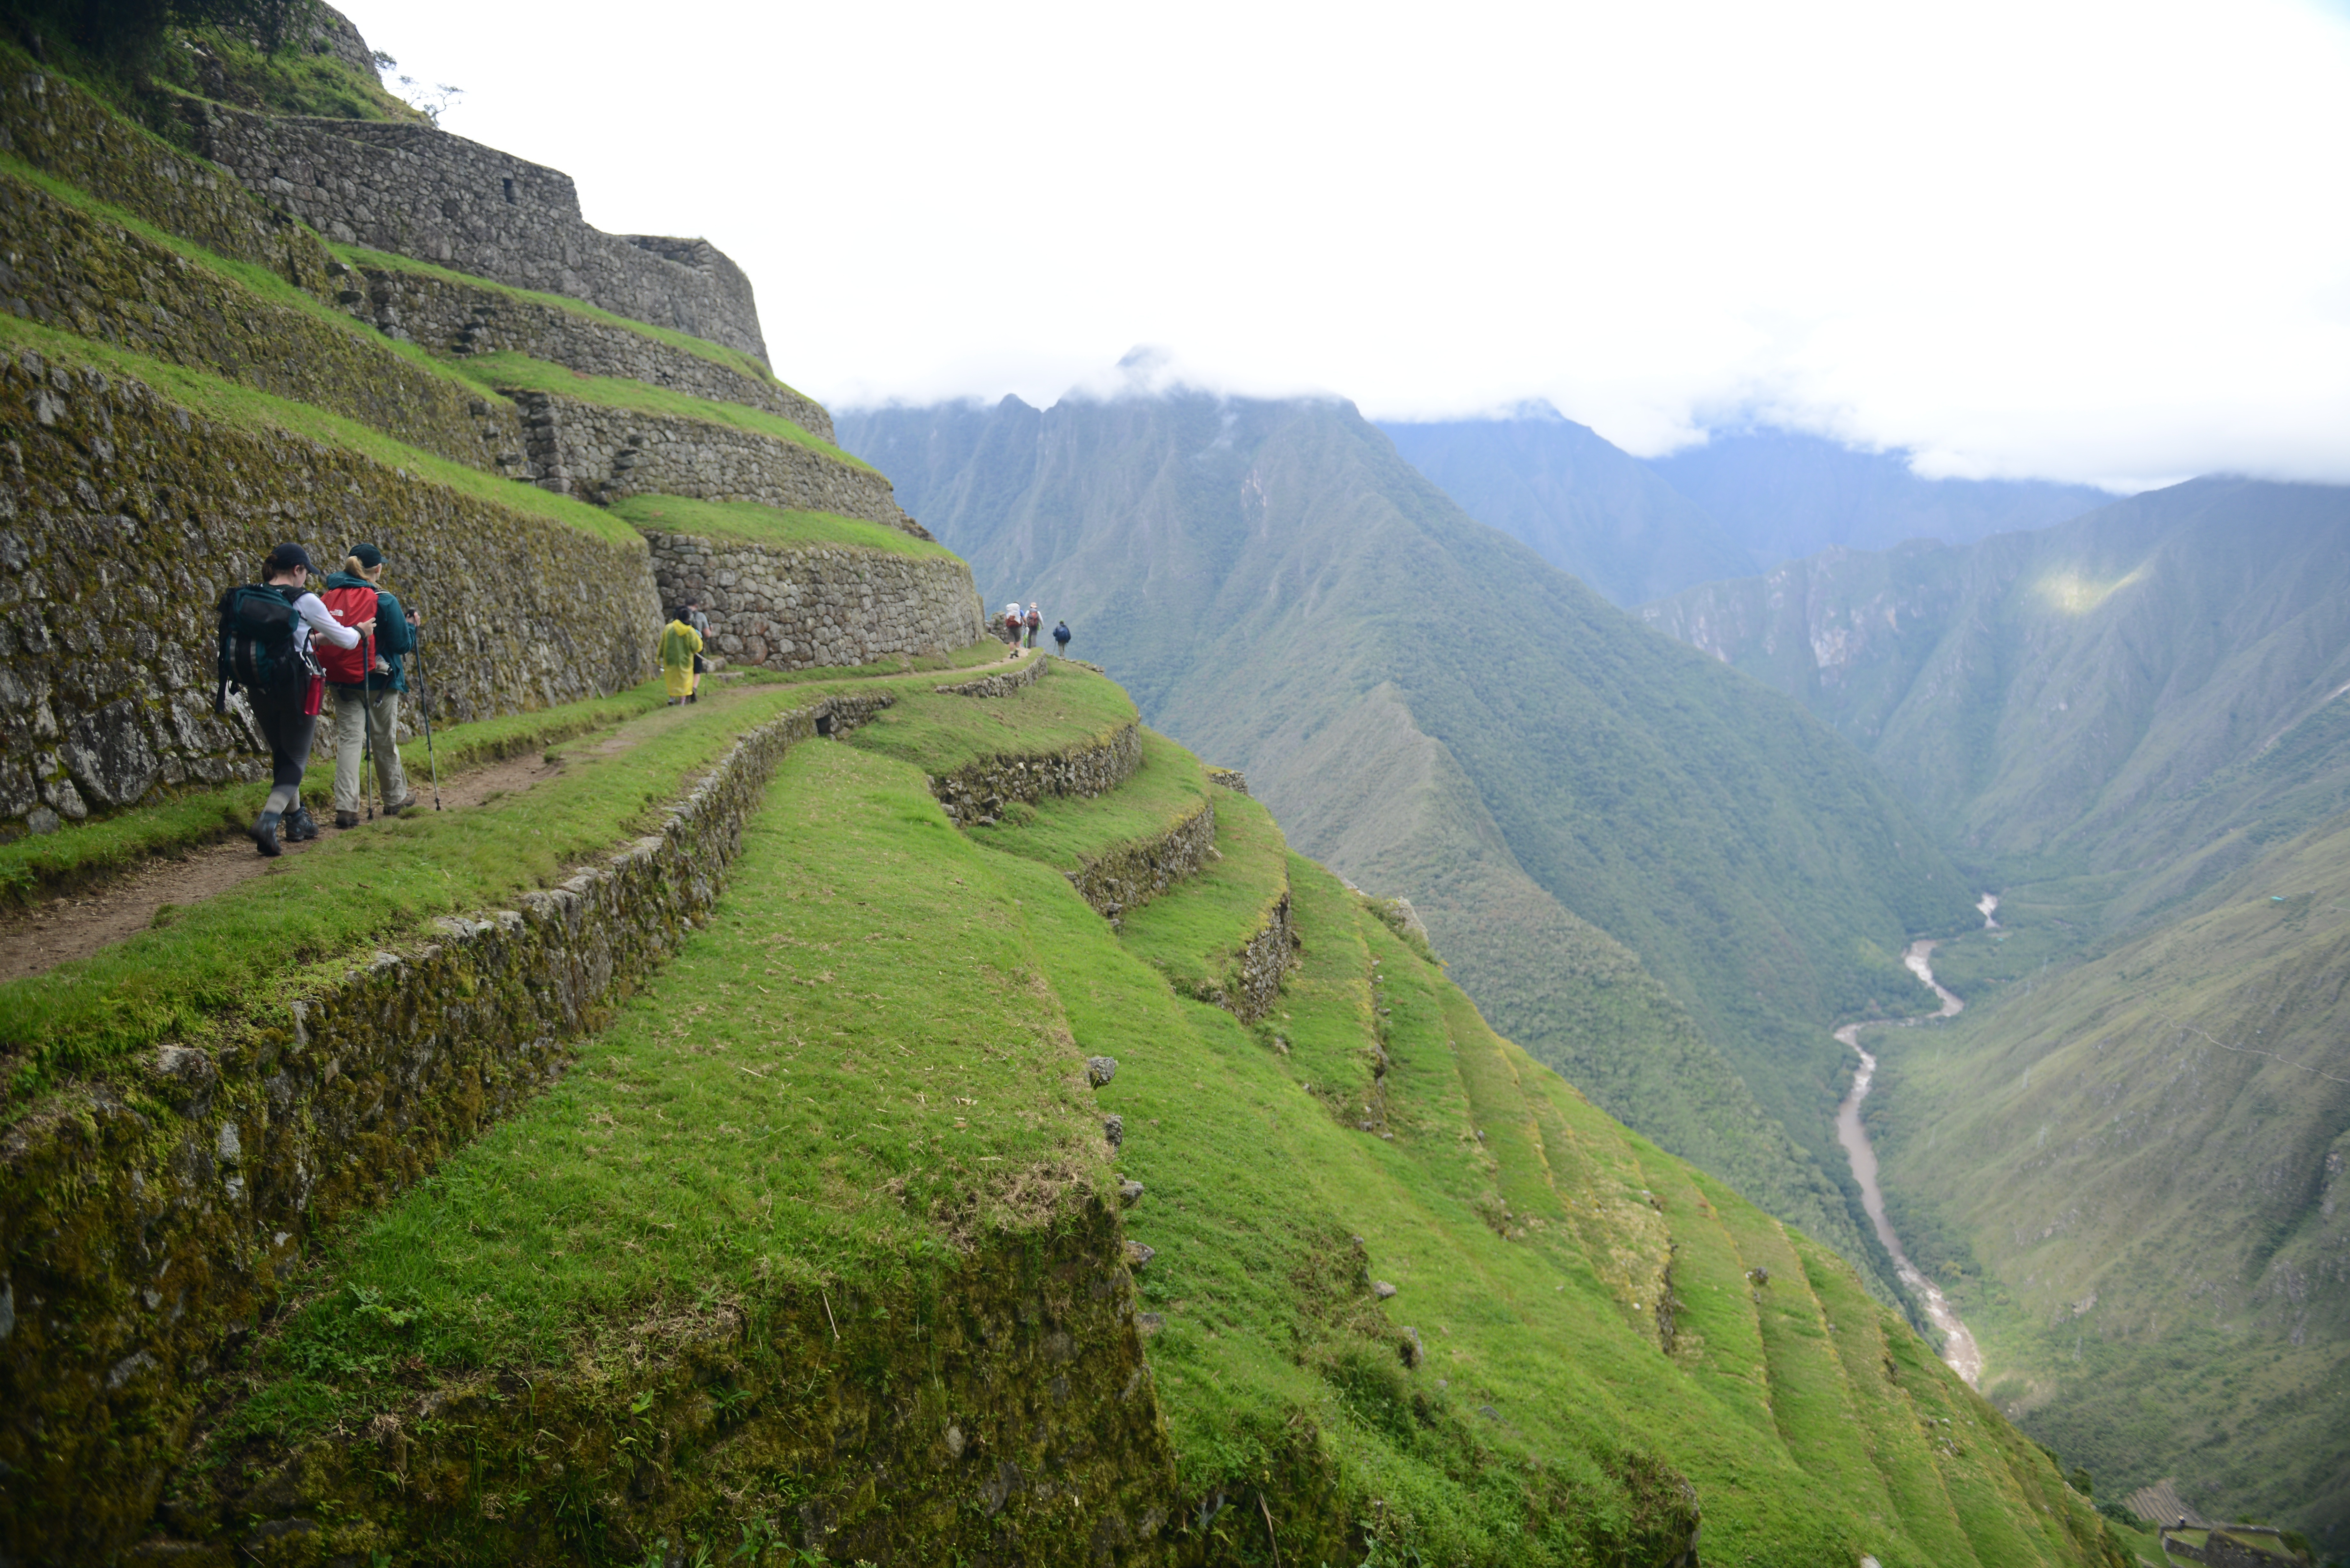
[1785, 493]
[1580, 502]
[2152, 683]
[1434, 712]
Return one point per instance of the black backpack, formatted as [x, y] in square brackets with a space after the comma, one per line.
[256, 643]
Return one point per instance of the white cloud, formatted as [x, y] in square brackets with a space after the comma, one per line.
[2088, 241]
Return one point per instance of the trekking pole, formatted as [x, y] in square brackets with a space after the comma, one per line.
[367, 728]
[425, 703]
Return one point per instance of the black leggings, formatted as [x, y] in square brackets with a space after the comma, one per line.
[288, 730]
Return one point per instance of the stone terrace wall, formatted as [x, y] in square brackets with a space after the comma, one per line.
[1264, 959]
[420, 192]
[77, 274]
[61, 131]
[1129, 876]
[1002, 684]
[602, 453]
[147, 1222]
[122, 518]
[830, 605]
[978, 792]
[454, 318]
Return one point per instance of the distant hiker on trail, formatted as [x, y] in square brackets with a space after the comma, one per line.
[266, 630]
[680, 652]
[1012, 625]
[1035, 623]
[366, 682]
[1061, 636]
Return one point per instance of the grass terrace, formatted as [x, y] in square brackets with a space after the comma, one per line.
[941, 733]
[700, 348]
[1195, 941]
[748, 522]
[218, 398]
[1066, 831]
[507, 371]
[247, 951]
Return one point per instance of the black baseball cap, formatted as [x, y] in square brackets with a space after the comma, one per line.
[287, 556]
[366, 556]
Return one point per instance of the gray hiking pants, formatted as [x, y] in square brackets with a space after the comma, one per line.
[373, 720]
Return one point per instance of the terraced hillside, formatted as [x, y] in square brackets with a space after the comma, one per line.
[914, 1209]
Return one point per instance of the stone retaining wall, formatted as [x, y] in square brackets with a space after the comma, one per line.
[833, 606]
[417, 191]
[1002, 684]
[123, 516]
[77, 274]
[452, 317]
[1264, 959]
[601, 453]
[149, 1224]
[978, 792]
[1129, 876]
[61, 131]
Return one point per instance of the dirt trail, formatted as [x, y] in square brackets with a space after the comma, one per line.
[73, 927]
[1959, 1347]
[77, 925]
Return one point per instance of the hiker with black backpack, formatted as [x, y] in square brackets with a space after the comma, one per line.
[366, 682]
[266, 630]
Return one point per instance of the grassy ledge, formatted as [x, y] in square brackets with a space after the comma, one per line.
[1194, 941]
[247, 952]
[700, 348]
[748, 522]
[941, 733]
[258, 281]
[506, 370]
[217, 399]
[1067, 830]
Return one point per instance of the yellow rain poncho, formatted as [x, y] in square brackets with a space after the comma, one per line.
[678, 644]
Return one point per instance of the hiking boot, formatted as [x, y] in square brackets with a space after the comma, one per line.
[301, 828]
[407, 804]
[264, 835]
[346, 820]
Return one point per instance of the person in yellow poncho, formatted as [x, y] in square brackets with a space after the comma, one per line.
[679, 645]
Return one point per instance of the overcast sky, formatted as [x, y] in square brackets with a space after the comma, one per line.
[2085, 241]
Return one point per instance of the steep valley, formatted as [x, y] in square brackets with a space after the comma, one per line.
[895, 1107]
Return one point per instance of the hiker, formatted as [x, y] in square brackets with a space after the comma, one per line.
[264, 647]
[1012, 623]
[366, 682]
[1061, 636]
[681, 651]
[1035, 623]
[700, 625]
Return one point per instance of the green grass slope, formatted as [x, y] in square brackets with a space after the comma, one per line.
[2134, 1177]
[1434, 712]
[723, 1291]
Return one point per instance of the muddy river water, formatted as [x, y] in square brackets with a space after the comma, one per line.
[1958, 1346]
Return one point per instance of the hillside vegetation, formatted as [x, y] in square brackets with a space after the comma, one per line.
[1435, 712]
[757, 1277]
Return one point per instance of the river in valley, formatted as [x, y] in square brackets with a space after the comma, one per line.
[1958, 1346]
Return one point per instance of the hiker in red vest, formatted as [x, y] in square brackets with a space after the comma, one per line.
[366, 682]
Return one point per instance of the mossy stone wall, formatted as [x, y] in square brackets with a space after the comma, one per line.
[417, 191]
[978, 792]
[1129, 876]
[452, 317]
[1003, 684]
[123, 516]
[145, 1225]
[61, 131]
[600, 454]
[80, 275]
[828, 606]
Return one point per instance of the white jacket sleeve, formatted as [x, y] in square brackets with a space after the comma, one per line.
[322, 619]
